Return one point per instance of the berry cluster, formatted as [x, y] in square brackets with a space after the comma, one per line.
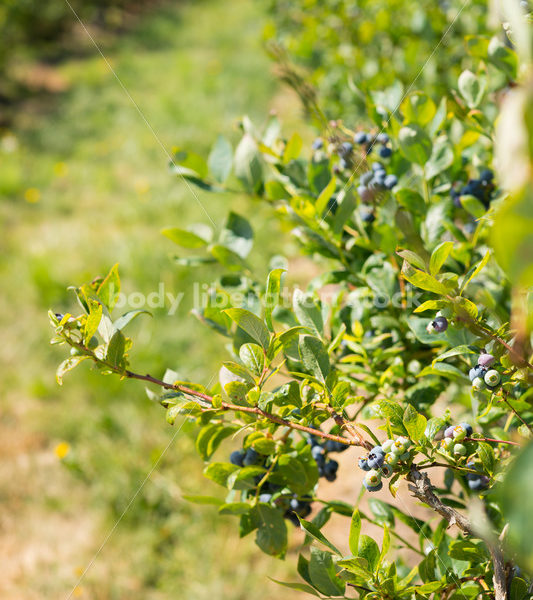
[327, 467]
[483, 377]
[475, 481]
[368, 141]
[481, 188]
[245, 458]
[454, 436]
[382, 460]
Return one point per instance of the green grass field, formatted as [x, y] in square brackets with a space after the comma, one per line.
[85, 184]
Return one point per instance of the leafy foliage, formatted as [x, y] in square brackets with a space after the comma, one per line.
[407, 234]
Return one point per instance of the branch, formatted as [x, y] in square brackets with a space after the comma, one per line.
[422, 489]
[254, 410]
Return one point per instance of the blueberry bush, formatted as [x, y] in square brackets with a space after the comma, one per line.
[410, 350]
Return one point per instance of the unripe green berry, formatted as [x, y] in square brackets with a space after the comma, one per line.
[459, 433]
[392, 459]
[373, 478]
[447, 444]
[478, 384]
[459, 449]
[387, 445]
[492, 377]
[386, 470]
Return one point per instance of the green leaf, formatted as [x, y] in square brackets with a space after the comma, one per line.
[226, 257]
[116, 349]
[203, 500]
[292, 149]
[184, 238]
[412, 258]
[487, 457]
[307, 312]
[299, 587]
[415, 144]
[369, 550]
[439, 256]
[271, 534]
[237, 235]
[414, 422]
[93, 320]
[382, 511]
[247, 164]
[325, 196]
[128, 317]
[272, 294]
[475, 271]
[219, 472]
[472, 88]
[315, 533]
[234, 508]
[434, 425]
[220, 159]
[423, 280]
[323, 574]
[253, 325]
[355, 530]
[441, 158]
[419, 108]
[67, 365]
[473, 206]
[253, 358]
[314, 356]
[109, 290]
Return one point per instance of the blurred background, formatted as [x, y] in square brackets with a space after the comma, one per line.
[84, 183]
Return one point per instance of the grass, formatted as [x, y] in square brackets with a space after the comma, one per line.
[83, 186]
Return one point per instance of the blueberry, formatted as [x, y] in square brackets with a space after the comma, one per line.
[448, 432]
[470, 227]
[390, 181]
[378, 450]
[468, 428]
[317, 451]
[374, 488]
[251, 457]
[59, 316]
[366, 177]
[375, 460]
[367, 215]
[440, 324]
[386, 470]
[237, 457]
[372, 478]
[360, 138]
[479, 483]
[346, 148]
[333, 446]
[363, 464]
[486, 175]
[382, 138]
[385, 152]
[485, 360]
[266, 498]
[317, 144]
[479, 384]
[380, 175]
[294, 504]
[337, 169]
[492, 378]
[330, 470]
[377, 166]
[477, 371]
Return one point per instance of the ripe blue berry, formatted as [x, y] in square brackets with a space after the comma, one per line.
[468, 428]
[266, 498]
[367, 215]
[375, 459]
[374, 488]
[237, 457]
[366, 177]
[317, 144]
[360, 138]
[382, 138]
[390, 181]
[440, 324]
[385, 152]
[477, 371]
[486, 175]
[250, 458]
[346, 148]
[363, 464]
[330, 470]
[448, 432]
